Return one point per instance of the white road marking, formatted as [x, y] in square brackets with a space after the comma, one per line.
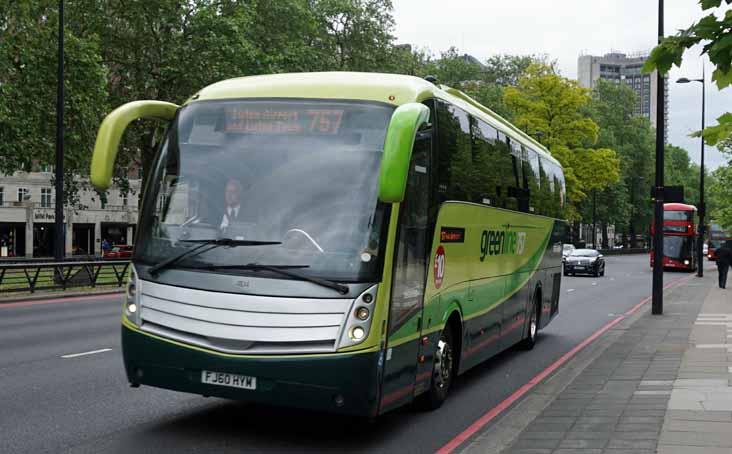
[594, 283]
[93, 352]
[570, 290]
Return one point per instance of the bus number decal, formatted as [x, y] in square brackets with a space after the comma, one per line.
[439, 267]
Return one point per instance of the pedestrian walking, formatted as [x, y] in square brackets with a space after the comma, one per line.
[106, 247]
[724, 257]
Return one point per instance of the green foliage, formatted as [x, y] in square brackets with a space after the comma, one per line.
[719, 195]
[714, 135]
[553, 109]
[680, 171]
[484, 82]
[714, 33]
[632, 137]
[28, 80]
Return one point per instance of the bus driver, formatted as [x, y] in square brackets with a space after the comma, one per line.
[232, 204]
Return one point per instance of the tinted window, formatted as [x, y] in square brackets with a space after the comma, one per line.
[506, 167]
[455, 178]
[555, 179]
[531, 175]
[486, 154]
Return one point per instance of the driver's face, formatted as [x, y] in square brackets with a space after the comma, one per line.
[231, 194]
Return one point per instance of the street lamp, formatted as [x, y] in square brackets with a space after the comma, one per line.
[702, 210]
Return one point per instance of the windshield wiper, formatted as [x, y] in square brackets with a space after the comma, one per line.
[285, 270]
[205, 246]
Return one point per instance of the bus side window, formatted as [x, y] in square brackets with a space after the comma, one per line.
[531, 172]
[488, 181]
[454, 158]
[543, 204]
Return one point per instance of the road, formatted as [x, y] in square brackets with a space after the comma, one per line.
[83, 404]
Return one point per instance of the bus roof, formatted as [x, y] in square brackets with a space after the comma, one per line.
[678, 207]
[394, 89]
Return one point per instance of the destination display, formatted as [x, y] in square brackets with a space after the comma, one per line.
[286, 121]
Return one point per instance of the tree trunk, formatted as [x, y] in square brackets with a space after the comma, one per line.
[633, 239]
[574, 238]
[605, 244]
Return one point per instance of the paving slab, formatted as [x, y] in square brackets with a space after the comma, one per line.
[662, 385]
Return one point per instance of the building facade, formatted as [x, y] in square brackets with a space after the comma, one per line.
[27, 217]
[622, 68]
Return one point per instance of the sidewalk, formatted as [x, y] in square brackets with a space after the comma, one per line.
[650, 384]
[6, 298]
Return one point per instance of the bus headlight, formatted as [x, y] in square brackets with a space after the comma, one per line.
[132, 300]
[357, 333]
[358, 319]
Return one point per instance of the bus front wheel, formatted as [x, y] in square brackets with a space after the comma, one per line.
[443, 372]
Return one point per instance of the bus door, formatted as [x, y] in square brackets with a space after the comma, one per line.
[411, 259]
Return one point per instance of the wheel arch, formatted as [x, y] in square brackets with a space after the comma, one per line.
[453, 319]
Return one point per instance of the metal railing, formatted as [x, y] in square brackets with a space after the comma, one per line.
[625, 251]
[32, 275]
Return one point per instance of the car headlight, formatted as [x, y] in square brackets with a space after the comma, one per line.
[358, 319]
[132, 300]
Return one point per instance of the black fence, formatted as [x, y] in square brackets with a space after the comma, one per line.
[31, 275]
[624, 251]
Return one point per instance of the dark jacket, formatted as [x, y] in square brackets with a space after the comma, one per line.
[724, 256]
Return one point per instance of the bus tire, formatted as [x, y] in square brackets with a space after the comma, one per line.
[443, 372]
[532, 328]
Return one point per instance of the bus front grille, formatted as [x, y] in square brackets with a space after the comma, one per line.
[242, 324]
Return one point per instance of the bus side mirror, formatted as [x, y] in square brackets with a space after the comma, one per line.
[403, 127]
[110, 134]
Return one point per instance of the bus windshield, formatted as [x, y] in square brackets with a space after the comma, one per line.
[302, 173]
[677, 247]
[669, 215]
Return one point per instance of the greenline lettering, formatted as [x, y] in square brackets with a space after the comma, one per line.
[501, 242]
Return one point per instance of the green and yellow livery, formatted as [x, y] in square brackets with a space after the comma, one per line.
[339, 241]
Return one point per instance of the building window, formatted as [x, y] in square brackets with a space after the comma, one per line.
[124, 199]
[46, 197]
[23, 194]
[2, 196]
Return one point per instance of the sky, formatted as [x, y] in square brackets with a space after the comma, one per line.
[565, 29]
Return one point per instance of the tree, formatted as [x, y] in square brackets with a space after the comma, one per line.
[680, 171]
[359, 32]
[28, 77]
[506, 70]
[720, 188]
[484, 82]
[553, 109]
[714, 33]
[612, 107]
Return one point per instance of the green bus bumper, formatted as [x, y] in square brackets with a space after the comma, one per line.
[347, 384]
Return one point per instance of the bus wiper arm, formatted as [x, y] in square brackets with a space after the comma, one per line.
[286, 270]
[204, 246]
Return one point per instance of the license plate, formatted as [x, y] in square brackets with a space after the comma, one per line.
[231, 380]
[580, 267]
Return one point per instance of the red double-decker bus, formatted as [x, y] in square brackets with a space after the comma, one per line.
[717, 237]
[679, 237]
